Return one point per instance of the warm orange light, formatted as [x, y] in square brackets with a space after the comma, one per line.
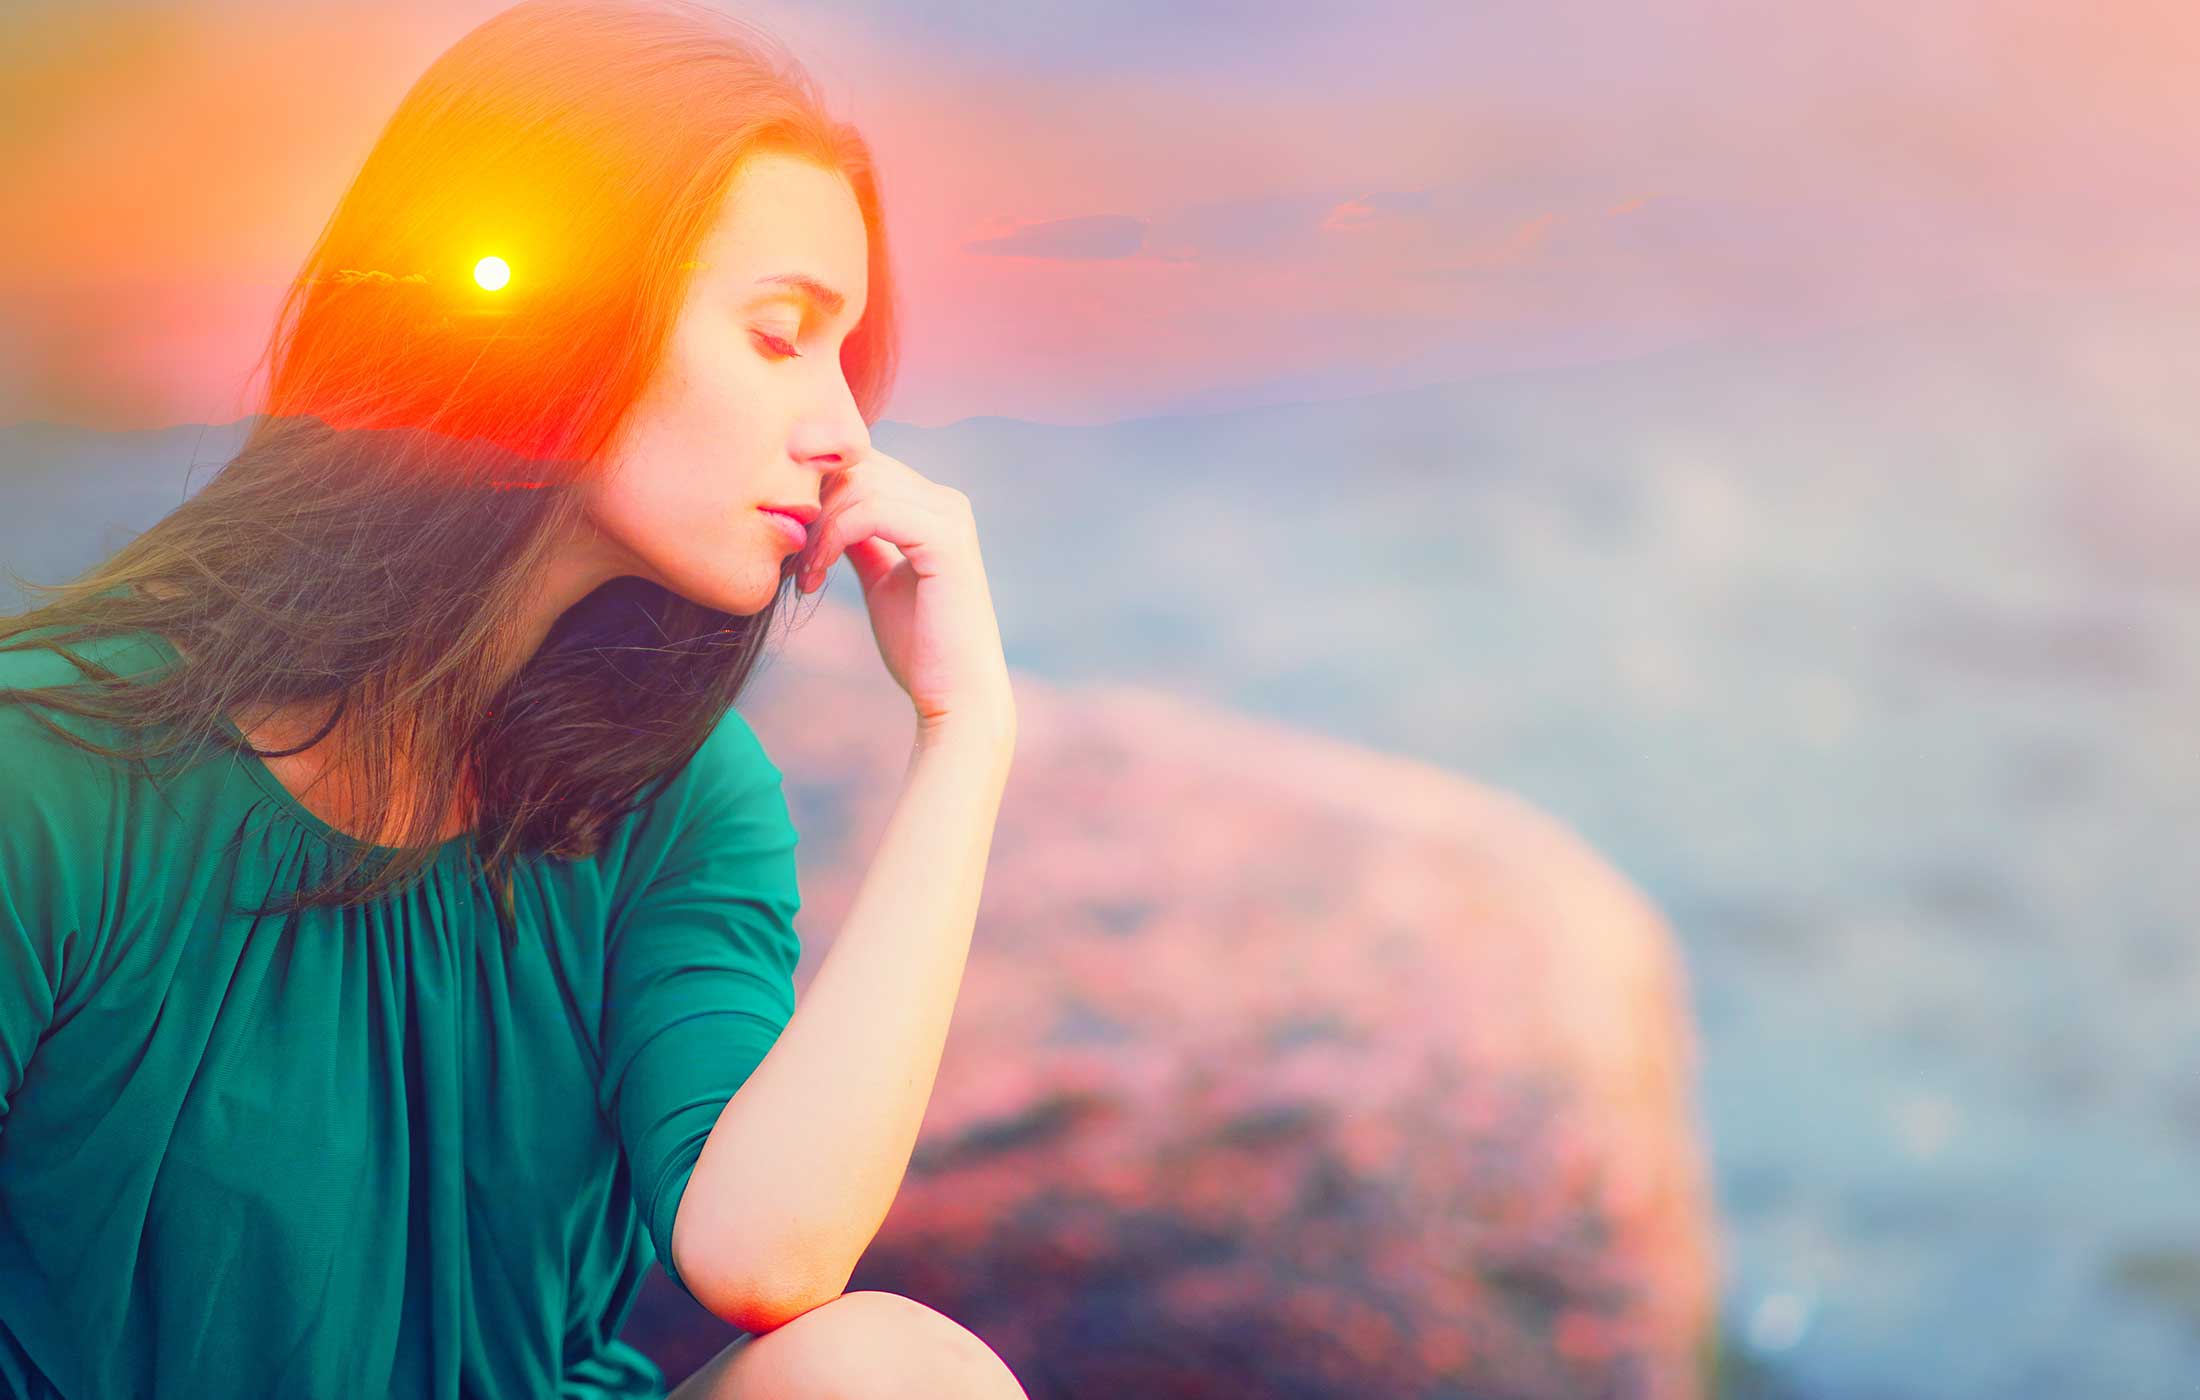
[492, 273]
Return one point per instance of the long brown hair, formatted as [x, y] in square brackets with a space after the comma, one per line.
[372, 544]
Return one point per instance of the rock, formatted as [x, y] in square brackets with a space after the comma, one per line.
[1281, 1067]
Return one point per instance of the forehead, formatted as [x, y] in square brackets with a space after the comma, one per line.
[784, 215]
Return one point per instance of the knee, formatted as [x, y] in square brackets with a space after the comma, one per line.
[874, 1345]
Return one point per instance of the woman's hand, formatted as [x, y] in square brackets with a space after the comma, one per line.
[914, 546]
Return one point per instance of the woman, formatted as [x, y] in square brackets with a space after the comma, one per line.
[439, 828]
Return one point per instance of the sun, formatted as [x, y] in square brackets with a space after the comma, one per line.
[491, 273]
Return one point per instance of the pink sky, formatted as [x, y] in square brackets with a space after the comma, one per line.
[1143, 208]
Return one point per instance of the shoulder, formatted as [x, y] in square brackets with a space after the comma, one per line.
[730, 768]
[30, 747]
[61, 805]
[729, 789]
[720, 833]
[28, 663]
[733, 753]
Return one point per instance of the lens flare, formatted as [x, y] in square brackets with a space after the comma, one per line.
[491, 273]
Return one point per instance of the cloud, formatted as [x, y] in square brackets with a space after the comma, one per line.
[347, 276]
[1087, 236]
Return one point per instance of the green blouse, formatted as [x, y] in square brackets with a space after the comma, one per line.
[368, 1151]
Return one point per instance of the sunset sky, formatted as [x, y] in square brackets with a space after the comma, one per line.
[1107, 211]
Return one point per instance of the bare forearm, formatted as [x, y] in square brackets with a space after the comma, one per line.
[802, 1165]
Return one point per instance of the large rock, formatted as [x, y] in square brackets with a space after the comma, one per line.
[1281, 1067]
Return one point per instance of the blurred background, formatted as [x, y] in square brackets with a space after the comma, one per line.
[1606, 604]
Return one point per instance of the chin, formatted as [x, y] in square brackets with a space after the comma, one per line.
[760, 595]
[742, 595]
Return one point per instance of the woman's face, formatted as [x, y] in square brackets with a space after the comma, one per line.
[732, 422]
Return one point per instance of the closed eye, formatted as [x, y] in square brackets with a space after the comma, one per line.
[777, 346]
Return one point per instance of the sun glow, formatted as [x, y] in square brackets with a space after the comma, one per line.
[491, 273]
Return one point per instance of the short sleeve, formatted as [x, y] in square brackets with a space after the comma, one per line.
[699, 967]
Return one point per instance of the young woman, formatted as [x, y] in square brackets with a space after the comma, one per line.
[396, 916]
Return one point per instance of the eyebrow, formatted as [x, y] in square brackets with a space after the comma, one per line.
[803, 285]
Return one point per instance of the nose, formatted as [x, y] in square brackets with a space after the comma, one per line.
[838, 435]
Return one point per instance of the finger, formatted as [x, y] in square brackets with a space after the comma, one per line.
[816, 557]
[872, 559]
[910, 523]
[833, 501]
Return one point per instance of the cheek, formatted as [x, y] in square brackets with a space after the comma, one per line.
[662, 503]
[679, 487]
[686, 477]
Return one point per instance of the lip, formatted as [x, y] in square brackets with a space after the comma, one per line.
[792, 528]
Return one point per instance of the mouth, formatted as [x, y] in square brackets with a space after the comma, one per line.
[796, 533]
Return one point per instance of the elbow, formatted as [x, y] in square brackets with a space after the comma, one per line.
[759, 1311]
[759, 1296]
